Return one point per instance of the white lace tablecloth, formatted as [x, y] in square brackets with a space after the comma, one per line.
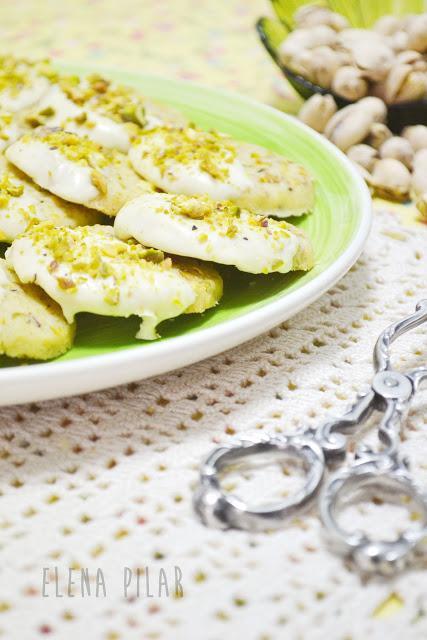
[105, 481]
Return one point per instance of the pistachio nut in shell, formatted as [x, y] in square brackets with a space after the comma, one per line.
[416, 135]
[363, 155]
[399, 149]
[391, 179]
[349, 83]
[317, 111]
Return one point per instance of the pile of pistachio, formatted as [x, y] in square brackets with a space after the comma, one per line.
[395, 167]
[388, 61]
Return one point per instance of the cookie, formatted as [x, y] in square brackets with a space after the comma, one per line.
[188, 161]
[89, 269]
[217, 231]
[22, 203]
[110, 114]
[32, 325]
[77, 169]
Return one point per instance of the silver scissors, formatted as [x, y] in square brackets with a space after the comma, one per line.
[384, 470]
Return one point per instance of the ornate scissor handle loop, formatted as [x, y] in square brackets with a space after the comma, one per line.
[394, 331]
[389, 476]
[218, 509]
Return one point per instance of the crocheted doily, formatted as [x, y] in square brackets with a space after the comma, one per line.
[105, 481]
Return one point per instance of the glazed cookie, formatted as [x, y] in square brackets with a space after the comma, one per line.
[23, 82]
[97, 108]
[31, 324]
[218, 231]
[193, 162]
[22, 202]
[77, 169]
[88, 269]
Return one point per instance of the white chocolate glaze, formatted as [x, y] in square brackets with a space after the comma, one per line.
[96, 127]
[117, 287]
[188, 161]
[226, 235]
[50, 169]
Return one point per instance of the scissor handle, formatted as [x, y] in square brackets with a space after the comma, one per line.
[218, 509]
[394, 331]
[387, 475]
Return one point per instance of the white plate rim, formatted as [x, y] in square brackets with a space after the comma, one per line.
[21, 384]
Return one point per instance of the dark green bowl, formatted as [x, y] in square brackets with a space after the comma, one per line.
[272, 33]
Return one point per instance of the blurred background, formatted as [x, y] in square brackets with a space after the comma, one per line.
[213, 42]
[209, 41]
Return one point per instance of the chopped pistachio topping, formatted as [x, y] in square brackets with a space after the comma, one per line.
[92, 252]
[202, 207]
[211, 151]
[271, 169]
[224, 217]
[47, 112]
[9, 188]
[29, 214]
[38, 118]
[74, 147]
[81, 118]
[18, 73]
[99, 94]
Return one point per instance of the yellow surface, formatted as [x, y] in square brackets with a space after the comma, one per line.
[209, 41]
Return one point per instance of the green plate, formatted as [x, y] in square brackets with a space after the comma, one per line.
[251, 304]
